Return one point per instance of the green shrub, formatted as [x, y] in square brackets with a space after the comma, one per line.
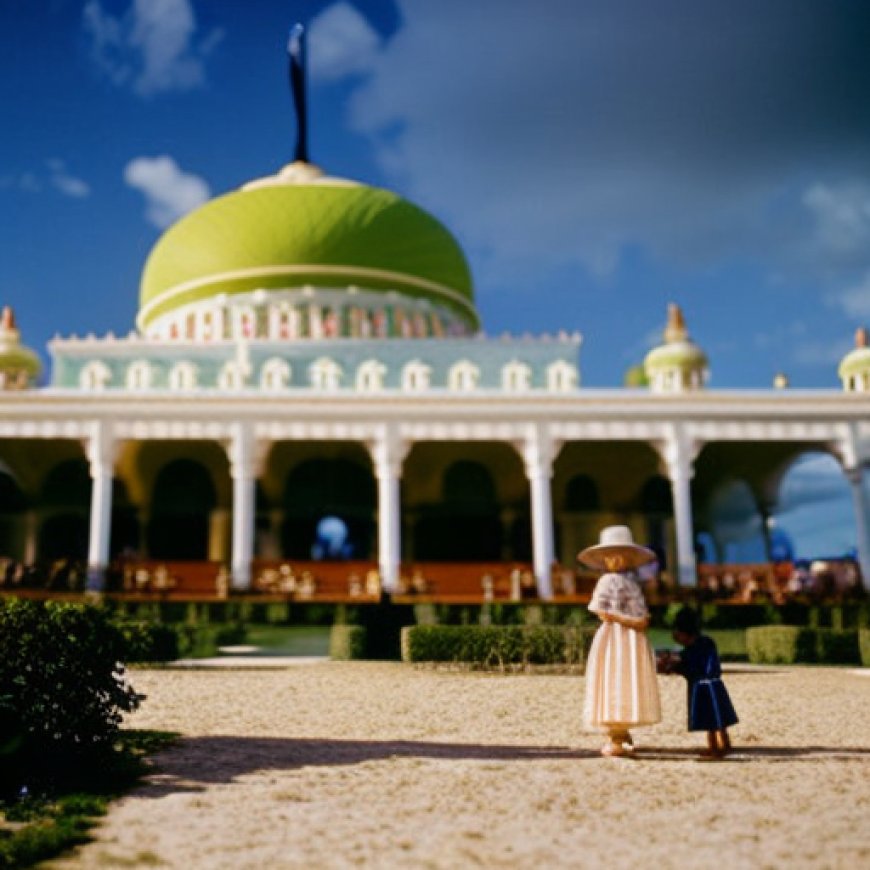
[148, 641]
[864, 646]
[347, 642]
[496, 645]
[780, 644]
[837, 646]
[63, 690]
[787, 644]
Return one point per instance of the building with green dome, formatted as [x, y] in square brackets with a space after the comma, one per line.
[307, 357]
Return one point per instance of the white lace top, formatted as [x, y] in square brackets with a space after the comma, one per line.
[620, 595]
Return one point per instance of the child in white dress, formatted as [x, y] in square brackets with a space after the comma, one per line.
[621, 684]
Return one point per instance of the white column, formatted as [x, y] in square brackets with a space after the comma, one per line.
[539, 452]
[388, 453]
[100, 448]
[679, 454]
[246, 458]
[858, 483]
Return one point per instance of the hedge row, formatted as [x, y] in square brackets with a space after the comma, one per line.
[146, 642]
[496, 645]
[788, 644]
[347, 642]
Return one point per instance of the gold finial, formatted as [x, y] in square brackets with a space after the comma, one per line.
[780, 381]
[7, 319]
[676, 328]
[861, 337]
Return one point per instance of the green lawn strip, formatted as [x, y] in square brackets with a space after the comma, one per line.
[731, 642]
[284, 640]
[36, 827]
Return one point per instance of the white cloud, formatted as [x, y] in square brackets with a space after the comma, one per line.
[151, 48]
[842, 214]
[568, 138]
[169, 191]
[67, 184]
[342, 43]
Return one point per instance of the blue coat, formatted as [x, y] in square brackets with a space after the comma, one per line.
[710, 707]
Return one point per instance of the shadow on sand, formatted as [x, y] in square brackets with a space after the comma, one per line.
[756, 754]
[197, 762]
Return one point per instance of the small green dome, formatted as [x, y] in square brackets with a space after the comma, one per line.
[635, 377]
[857, 361]
[683, 355]
[19, 365]
[301, 229]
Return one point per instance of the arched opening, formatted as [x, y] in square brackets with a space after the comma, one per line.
[657, 505]
[814, 508]
[181, 505]
[736, 524]
[65, 500]
[465, 525]
[581, 494]
[125, 532]
[320, 488]
[13, 504]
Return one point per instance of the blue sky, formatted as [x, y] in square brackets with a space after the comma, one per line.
[596, 160]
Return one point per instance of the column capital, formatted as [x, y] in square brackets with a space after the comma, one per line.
[101, 449]
[850, 449]
[539, 451]
[388, 451]
[246, 453]
[678, 451]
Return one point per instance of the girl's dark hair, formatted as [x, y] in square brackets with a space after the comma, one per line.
[687, 621]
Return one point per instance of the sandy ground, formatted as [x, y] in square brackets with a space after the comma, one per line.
[334, 765]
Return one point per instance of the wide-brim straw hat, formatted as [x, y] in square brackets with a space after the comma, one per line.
[616, 541]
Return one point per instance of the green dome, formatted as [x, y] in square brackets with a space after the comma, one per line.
[684, 355]
[321, 232]
[20, 359]
[855, 362]
[635, 377]
[19, 365]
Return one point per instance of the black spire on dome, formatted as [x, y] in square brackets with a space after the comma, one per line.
[296, 52]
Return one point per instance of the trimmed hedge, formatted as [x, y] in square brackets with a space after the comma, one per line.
[149, 642]
[496, 645]
[864, 646]
[347, 642]
[788, 644]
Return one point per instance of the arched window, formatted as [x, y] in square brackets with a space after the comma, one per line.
[325, 374]
[245, 322]
[275, 374]
[370, 376]
[182, 376]
[516, 376]
[182, 501]
[464, 376]
[562, 377]
[95, 375]
[416, 375]
[231, 376]
[139, 375]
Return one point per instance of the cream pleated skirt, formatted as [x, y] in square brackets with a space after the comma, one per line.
[621, 683]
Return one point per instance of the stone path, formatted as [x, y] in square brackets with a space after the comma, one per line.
[339, 765]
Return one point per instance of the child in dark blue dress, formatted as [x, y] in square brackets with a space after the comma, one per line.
[710, 707]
